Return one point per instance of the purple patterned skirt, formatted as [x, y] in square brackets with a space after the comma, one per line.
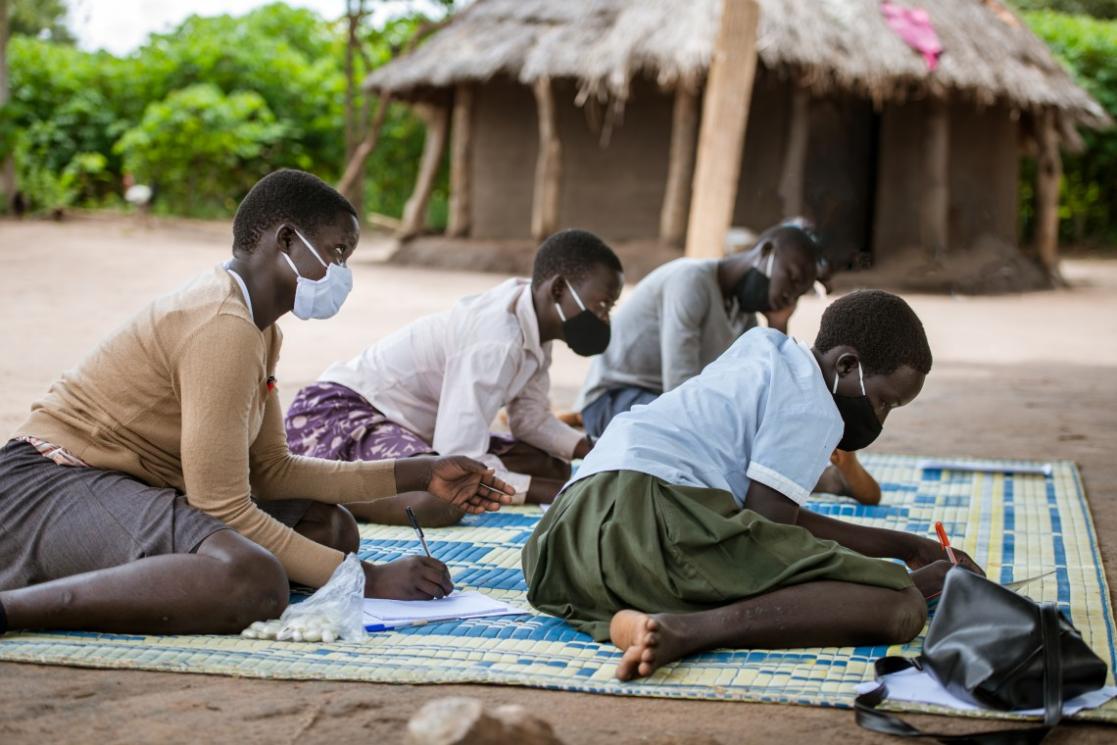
[331, 421]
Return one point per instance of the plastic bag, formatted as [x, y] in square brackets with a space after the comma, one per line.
[333, 612]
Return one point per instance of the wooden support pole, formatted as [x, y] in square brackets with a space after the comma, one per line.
[548, 165]
[436, 119]
[934, 215]
[680, 167]
[795, 155]
[725, 114]
[1049, 174]
[461, 163]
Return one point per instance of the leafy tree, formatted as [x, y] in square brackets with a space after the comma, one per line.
[275, 79]
[1088, 47]
[45, 19]
[200, 149]
[1096, 8]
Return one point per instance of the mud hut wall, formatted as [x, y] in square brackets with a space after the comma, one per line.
[984, 175]
[840, 177]
[837, 181]
[615, 189]
[758, 202]
[506, 141]
[899, 178]
[984, 169]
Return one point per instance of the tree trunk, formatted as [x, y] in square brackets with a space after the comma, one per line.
[548, 165]
[461, 163]
[355, 188]
[680, 167]
[1049, 175]
[357, 163]
[725, 113]
[934, 216]
[436, 119]
[8, 167]
[795, 156]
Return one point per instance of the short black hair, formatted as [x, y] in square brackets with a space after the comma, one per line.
[882, 328]
[573, 254]
[793, 233]
[286, 195]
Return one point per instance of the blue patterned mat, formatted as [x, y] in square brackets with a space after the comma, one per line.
[1015, 525]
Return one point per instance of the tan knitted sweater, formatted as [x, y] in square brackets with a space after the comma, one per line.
[178, 397]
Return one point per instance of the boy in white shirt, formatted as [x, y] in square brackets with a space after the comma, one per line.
[437, 384]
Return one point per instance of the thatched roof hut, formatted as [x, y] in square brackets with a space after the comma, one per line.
[995, 80]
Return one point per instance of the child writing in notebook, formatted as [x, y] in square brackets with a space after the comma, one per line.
[437, 384]
[151, 489]
[684, 529]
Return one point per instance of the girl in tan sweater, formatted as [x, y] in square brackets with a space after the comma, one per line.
[151, 490]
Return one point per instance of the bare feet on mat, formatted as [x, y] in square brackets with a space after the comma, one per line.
[854, 480]
[570, 418]
[648, 644]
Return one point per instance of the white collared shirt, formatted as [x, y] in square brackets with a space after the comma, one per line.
[445, 377]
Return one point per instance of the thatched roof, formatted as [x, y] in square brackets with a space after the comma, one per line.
[826, 44]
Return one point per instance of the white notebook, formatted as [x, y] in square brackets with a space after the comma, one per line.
[381, 615]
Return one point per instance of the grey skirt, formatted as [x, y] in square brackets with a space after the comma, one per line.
[57, 521]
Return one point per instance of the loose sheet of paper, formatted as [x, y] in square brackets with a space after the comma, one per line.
[465, 604]
[920, 687]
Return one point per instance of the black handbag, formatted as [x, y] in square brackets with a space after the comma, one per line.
[995, 648]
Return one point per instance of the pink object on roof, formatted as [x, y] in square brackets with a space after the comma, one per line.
[914, 26]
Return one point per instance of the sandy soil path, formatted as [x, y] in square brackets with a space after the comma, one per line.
[1028, 376]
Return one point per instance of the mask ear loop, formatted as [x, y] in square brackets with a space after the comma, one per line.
[771, 260]
[860, 377]
[313, 250]
[578, 300]
[290, 263]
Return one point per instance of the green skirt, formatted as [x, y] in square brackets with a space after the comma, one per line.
[623, 539]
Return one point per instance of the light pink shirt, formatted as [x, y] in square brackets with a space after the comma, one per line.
[445, 377]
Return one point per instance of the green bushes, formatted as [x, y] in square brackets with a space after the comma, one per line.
[199, 113]
[1089, 194]
[198, 148]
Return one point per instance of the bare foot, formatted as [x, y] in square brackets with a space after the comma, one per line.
[647, 642]
[571, 418]
[857, 482]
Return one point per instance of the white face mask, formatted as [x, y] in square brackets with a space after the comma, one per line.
[320, 298]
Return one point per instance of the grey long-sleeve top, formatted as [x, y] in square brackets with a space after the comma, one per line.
[673, 324]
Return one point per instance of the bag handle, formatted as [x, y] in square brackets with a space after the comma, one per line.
[871, 718]
[1052, 665]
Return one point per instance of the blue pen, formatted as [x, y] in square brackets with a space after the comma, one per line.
[373, 627]
[418, 531]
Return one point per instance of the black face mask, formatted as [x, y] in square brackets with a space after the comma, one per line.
[752, 290]
[584, 333]
[861, 423]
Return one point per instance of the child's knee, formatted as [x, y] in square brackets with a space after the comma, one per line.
[345, 530]
[907, 617]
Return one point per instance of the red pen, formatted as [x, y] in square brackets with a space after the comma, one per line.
[945, 542]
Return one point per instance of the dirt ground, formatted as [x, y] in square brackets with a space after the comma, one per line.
[1028, 376]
